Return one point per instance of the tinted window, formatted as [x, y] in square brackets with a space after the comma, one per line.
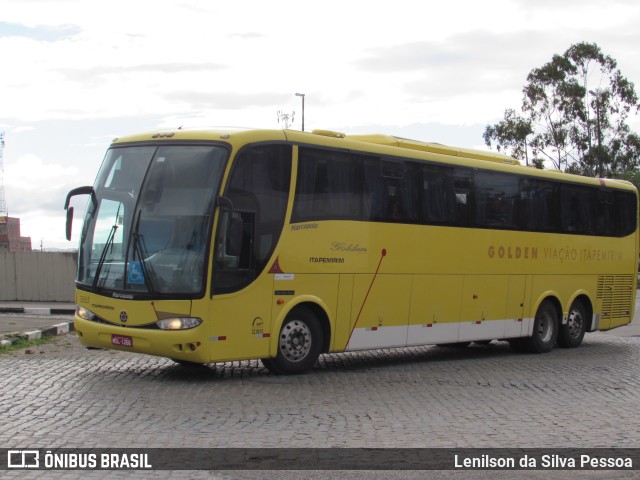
[329, 186]
[341, 185]
[391, 191]
[258, 188]
[540, 205]
[577, 209]
[622, 214]
[438, 195]
[463, 197]
[497, 200]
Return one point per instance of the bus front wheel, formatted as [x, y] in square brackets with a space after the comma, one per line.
[545, 329]
[299, 343]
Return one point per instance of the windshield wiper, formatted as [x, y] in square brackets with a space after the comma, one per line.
[108, 243]
[139, 248]
[103, 255]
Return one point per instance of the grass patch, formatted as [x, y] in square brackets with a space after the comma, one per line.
[18, 343]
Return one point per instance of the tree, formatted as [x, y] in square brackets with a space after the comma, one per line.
[513, 134]
[574, 116]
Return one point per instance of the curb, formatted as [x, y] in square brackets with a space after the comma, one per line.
[63, 328]
[8, 339]
[38, 310]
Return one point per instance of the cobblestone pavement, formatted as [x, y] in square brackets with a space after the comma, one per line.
[61, 394]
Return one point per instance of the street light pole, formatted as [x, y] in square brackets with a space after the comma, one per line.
[302, 95]
[598, 132]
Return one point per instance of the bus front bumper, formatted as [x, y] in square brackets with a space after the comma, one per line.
[183, 345]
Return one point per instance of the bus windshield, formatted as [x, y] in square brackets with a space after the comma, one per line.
[150, 228]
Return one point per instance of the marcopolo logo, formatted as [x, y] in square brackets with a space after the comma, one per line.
[23, 459]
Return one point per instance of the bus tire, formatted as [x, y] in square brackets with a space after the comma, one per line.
[268, 363]
[454, 345]
[299, 343]
[187, 363]
[518, 345]
[545, 329]
[571, 334]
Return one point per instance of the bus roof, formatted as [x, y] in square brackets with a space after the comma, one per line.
[229, 134]
[378, 139]
[434, 148]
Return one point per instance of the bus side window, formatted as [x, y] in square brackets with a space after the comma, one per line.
[438, 195]
[258, 189]
[329, 186]
[463, 191]
[626, 214]
[496, 200]
[605, 217]
[577, 209]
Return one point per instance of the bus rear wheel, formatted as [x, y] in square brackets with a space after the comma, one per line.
[299, 343]
[545, 329]
[571, 334]
[454, 345]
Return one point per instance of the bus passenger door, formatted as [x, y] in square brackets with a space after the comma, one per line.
[250, 221]
[240, 322]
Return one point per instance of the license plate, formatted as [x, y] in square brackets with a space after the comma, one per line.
[121, 340]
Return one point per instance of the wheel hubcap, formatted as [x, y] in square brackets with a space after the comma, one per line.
[574, 323]
[295, 341]
[545, 328]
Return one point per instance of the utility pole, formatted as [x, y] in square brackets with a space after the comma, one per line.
[302, 95]
[600, 166]
[3, 203]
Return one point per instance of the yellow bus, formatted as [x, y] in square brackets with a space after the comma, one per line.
[218, 245]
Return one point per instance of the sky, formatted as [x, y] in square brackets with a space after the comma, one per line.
[75, 74]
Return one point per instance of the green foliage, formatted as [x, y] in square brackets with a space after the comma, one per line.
[18, 343]
[631, 176]
[574, 116]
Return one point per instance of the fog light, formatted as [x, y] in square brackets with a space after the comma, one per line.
[178, 323]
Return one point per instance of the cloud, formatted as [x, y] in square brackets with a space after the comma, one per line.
[22, 129]
[468, 136]
[228, 101]
[30, 173]
[571, 4]
[465, 62]
[41, 33]
[246, 35]
[93, 74]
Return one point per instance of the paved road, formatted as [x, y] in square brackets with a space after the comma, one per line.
[484, 396]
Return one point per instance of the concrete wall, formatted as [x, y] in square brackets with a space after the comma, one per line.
[37, 276]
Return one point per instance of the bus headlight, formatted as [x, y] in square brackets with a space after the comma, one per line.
[84, 313]
[178, 323]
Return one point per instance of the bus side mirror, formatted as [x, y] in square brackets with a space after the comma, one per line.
[234, 237]
[78, 191]
[69, 222]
